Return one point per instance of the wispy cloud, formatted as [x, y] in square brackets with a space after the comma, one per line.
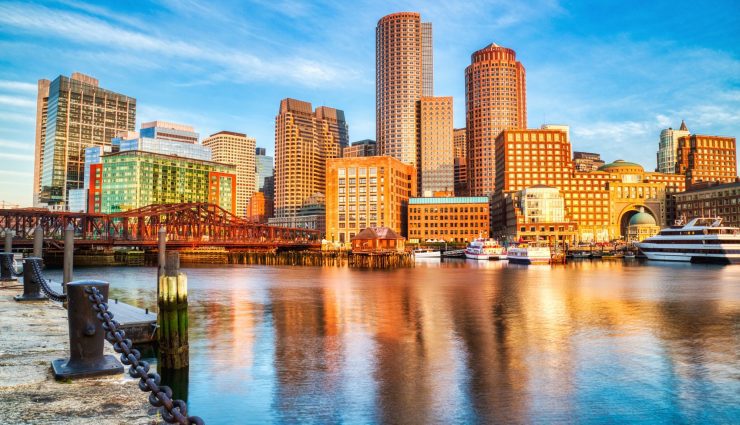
[18, 86]
[237, 65]
[13, 144]
[17, 101]
[16, 156]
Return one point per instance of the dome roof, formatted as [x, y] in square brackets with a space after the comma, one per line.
[621, 164]
[642, 218]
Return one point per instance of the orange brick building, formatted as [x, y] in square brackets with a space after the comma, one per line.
[452, 219]
[495, 100]
[366, 192]
[259, 208]
[460, 161]
[707, 159]
[599, 202]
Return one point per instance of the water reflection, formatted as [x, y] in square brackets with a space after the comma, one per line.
[459, 342]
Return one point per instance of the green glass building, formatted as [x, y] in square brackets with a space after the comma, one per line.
[134, 179]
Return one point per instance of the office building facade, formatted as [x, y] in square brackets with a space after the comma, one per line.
[237, 149]
[435, 146]
[710, 200]
[587, 161]
[366, 192]
[304, 141]
[449, 219]
[163, 130]
[495, 100]
[366, 147]
[703, 158]
[404, 73]
[75, 113]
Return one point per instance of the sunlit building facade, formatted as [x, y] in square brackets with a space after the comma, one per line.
[600, 203]
[304, 141]
[460, 161]
[134, 179]
[237, 149]
[404, 73]
[495, 100]
[587, 161]
[75, 113]
[174, 132]
[366, 147]
[668, 148]
[435, 145]
[450, 219]
[710, 200]
[703, 158]
[367, 192]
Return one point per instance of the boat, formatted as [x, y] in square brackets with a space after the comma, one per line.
[629, 255]
[701, 240]
[427, 253]
[484, 249]
[527, 254]
[581, 255]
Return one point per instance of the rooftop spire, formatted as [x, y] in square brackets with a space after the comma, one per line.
[683, 126]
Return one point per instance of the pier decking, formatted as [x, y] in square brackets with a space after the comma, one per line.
[140, 325]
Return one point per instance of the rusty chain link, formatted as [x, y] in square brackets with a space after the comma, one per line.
[45, 285]
[173, 411]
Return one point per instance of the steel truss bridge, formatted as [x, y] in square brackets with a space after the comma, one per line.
[187, 224]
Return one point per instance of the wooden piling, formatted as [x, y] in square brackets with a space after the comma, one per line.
[173, 315]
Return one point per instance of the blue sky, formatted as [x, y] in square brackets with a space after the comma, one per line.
[615, 71]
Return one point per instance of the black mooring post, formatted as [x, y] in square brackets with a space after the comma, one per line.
[6, 261]
[86, 337]
[31, 286]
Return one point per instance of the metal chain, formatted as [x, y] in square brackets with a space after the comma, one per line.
[10, 266]
[173, 411]
[45, 285]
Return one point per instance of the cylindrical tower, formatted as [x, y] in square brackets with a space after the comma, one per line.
[398, 83]
[495, 100]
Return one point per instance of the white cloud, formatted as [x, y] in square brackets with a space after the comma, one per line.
[13, 144]
[16, 156]
[17, 101]
[234, 64]
[21, 86]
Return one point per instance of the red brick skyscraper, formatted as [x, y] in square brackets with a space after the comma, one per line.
[495, 100]
[403, 69]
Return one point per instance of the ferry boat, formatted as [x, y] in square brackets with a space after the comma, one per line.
[701, 240]
[484, 249]
[427, 253]
[525, 254]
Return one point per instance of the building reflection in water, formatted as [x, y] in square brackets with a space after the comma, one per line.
[473, 342]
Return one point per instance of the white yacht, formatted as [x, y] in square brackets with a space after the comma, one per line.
[484, 249]
[527, 254]
[426, 253]
[701, 240]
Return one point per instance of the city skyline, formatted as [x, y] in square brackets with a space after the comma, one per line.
[234, 84]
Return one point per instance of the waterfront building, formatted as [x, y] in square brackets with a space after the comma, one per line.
[706, 159]
[668, 148]
[375, 239]
[710, 200]
[239, 150]
[495, 100]
[312, 215]
[163, 130]
[600, 202]
[404, 74]
[435, 145]
[452, 219]
[164, 147]
[366, 147]
[641, 226]
[73, 113]
[587, 161]
[539, 215]
[367, 192]
[260, 208]
[461, 161]
[265, 173]
[133, 179]
[304, 141]
[77, 200]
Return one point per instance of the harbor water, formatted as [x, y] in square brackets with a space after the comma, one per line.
[457, 342]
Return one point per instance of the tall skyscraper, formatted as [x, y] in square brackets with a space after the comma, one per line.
[460, 161]
[265, 173]
[495, 100]
[435, 147]
[304, 140]
[75, 114]
[668, 148]
[238, 149]
[404, 73]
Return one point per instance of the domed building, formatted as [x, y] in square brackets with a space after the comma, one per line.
[641, 226]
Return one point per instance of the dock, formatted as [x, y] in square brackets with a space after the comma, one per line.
[139, 324]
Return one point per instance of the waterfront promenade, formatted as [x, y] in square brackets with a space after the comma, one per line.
[31, 336]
